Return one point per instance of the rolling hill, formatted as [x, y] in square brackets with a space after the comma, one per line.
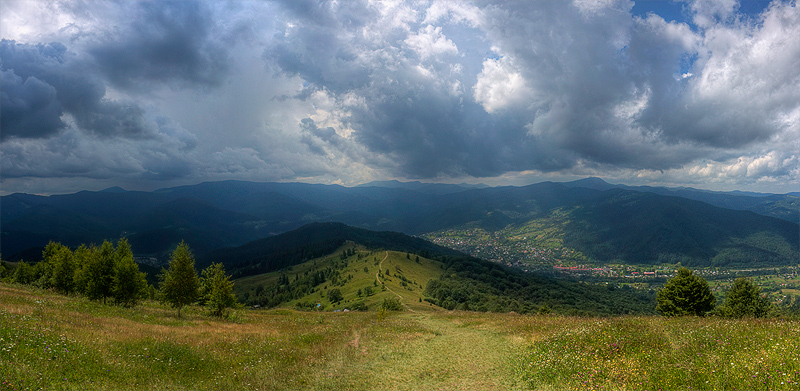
[367, 267]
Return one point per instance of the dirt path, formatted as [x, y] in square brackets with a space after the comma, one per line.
[377, 277]
[452, 354]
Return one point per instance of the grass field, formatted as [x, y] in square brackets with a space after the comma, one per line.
[53, 342]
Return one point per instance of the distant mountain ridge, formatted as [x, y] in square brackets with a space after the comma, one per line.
[782, 206]
[432, 188]
[214, 215]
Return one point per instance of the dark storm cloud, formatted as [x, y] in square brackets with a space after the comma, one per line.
[28, 108]
[315, 51]
[359, 90]
[162, 41]
[43, 82]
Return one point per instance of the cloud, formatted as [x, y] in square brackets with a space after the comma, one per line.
[335, 91]
[430, 42]
[28, 108]
[564, 85]
[161, 42]
[499, 85]
[58, 83]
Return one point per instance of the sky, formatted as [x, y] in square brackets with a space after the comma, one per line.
[153, 94]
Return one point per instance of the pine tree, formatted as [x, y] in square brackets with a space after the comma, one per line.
[217, 290]
[129, 284]
[744, 299]
[180, 285]
[685, 294]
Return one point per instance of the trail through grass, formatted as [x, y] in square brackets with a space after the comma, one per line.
[53, 342]
[445, 354]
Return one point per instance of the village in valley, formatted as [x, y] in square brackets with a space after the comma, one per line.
[549, 257]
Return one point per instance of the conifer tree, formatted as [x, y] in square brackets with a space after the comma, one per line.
[685, 294]
[129, 284]
[180, 285]
[744, 299]
[217, 290]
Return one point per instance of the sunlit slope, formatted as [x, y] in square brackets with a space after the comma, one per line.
[363, 277]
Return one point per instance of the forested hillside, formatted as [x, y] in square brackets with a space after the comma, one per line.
[352, 262]
[598, 220]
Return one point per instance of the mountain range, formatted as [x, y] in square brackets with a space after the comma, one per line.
[604, 221]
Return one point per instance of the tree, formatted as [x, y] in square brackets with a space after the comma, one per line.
[129, 285]
[744, 299]
[217, 289]
[180, 285]
[62, 262]
[81, 259]
[3, 267]
[99, 272]
[685, 294]
[24, 273]
[335, 295]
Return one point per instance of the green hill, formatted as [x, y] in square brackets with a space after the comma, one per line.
[312, 241]
[412, 270]
[647, 228]
[365, 278]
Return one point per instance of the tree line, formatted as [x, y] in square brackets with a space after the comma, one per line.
[110, 274]
[689, 294]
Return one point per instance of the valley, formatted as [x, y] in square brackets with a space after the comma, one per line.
[582, 248]
[538, 247]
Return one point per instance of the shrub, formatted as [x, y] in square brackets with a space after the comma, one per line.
[391, 304]
[335, 295]
[359, 306]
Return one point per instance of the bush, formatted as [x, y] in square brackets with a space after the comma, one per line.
[335, 296]
[391, 304]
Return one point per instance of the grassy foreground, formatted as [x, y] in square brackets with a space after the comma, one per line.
[54, 342]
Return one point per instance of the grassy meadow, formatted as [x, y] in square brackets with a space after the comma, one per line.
[54, 342]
